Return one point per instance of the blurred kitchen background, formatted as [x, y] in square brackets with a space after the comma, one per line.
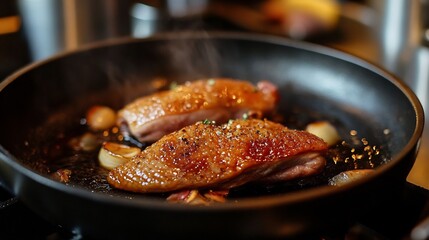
[393, 34]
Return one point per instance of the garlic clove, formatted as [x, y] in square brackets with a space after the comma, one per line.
[100, 118]
[324, 130]
[112, 154]
[349, 176]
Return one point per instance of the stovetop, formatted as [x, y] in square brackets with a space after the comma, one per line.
[394, 220]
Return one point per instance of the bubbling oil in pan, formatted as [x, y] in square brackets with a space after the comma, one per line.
[60, 157]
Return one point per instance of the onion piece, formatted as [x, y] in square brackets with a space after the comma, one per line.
[114, 154]
[195, 197]
[62, 175]
[325, 131]
[348, 176]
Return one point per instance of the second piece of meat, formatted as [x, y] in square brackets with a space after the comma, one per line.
[221, 157]
[151, 117]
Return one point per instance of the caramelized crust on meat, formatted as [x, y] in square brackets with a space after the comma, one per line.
[220, 157]
[150, 117]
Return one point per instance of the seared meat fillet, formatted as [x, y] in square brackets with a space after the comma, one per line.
[151, 117]
[221, 157]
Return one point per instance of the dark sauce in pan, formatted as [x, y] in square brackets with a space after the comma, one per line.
[53, 155]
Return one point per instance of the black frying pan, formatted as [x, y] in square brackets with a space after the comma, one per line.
[50, 97]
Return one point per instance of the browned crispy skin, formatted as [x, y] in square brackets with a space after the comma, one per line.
[151, 117]
[220, 157]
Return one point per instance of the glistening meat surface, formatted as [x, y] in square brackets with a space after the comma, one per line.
[151, 117]
[221, 157]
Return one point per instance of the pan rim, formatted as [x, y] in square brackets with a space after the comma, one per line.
[259, 202]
